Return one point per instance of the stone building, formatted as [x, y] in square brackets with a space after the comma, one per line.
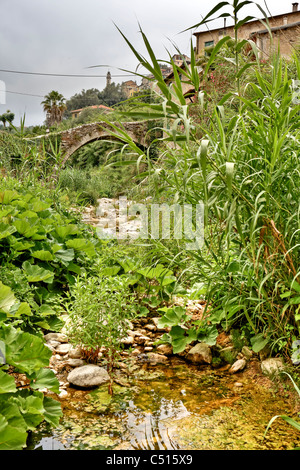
[76, 112]
[285, 30]
[129, 88]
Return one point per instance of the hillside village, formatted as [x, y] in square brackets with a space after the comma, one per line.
[149, 251]
[285, 29]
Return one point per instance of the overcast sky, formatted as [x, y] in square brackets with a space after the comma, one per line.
[67, 36]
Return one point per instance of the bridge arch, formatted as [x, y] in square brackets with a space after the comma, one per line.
[77, 137]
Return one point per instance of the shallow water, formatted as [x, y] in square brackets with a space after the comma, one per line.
[174, 407]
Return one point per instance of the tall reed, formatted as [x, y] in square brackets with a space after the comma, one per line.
[242, 161]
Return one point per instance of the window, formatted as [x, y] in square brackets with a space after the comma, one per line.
[208, 44]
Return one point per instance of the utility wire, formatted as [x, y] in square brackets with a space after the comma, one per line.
[26, 94]
[62, 75]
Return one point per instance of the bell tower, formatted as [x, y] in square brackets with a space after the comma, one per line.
[108, 78]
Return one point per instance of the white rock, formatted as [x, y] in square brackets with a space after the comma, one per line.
[75, 362]
[200, 354]
[238, 365]
[63, 394]
[157, 358]
[88, 376]
[56, 337]
[128, 341]
[75, 353]
[63, 348]
[165, 349]
[53, 343]
[272, 365]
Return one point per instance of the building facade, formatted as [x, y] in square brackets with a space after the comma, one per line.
[285, 30]
[129, 88]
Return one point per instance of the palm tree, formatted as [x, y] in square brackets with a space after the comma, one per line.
[54, 105]
[7, 117]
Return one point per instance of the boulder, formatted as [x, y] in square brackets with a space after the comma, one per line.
[200, 354]
[88, 376]
[128, 341]
[60, 337]
[272, 365]
[75, 353]
[75, 362]
[63, 348]
[237, 366]
[165, 349]
[154, 358]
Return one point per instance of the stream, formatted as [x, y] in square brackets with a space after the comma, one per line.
[179, 407]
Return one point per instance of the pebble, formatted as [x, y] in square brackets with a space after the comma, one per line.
[75, 353]
[75, 362]
[63, 348]
[60, 337]
[63, 394]
[238, 365]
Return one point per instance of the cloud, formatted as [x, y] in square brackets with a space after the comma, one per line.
[55, 36]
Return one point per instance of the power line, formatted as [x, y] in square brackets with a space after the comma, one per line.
[62, 75]
[26, 94]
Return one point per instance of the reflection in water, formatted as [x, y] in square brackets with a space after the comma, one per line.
[148, 430]
[49, 443]
[171, 408]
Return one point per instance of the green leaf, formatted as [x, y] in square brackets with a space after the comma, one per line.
[110, 271]
[209, 336]
[229, 176]
[6, 230]
[179, 339]
[6, 197]
[7, 298]
[65, 256]
[295, 286]
[43, 255]
[25, 228]
[20, 245]
[81, 244]
[168, 280]
[233, 267]
[44, 378]
[45, 310]
[172, 317]
[39, 206]
[258, 342]
[7, 383]
[25, 351]
[210, 14]
[23, 309]
[35, 273]
[64, 231]
[12, 438]
[75, 268]
[157, 272]
[31, 407]
[53, 411]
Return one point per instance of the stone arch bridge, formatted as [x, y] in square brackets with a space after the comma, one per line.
[76, 137]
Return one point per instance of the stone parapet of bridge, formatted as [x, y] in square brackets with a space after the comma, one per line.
[73, 139]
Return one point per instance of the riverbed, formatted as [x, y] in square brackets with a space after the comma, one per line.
[174, 407]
